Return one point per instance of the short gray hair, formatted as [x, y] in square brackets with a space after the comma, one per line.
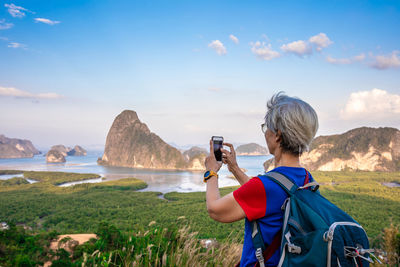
[295, 119]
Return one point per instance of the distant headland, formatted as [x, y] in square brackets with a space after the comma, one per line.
[251, 149]
[16, 148]
[365, 149]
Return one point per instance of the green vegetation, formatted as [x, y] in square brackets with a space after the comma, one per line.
[18, 248]
[144, 246]
[78, 209]
[13, 181]
[362, 195]
[57, 178]
[122, 184]
[6, 172]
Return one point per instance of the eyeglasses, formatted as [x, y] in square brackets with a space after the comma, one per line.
[264, 128]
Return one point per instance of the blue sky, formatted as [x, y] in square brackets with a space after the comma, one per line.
[192, 69]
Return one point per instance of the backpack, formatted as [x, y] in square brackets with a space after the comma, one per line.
[315, 232]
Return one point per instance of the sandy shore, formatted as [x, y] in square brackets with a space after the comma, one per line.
[80, 238]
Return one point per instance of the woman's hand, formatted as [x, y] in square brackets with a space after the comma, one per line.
[229, 157]
[211, 163]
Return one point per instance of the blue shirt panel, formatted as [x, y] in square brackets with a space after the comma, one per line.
[271, 223]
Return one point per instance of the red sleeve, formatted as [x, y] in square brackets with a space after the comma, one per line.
[252, 198]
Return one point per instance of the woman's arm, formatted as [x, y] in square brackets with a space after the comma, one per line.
[229, 158]
[225, 209]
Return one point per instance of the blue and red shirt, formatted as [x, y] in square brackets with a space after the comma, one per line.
[261, 198]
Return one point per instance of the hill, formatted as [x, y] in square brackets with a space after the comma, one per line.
[131, 144]
[195, 158]
[16, 148]
[367, 149]
[251, 149]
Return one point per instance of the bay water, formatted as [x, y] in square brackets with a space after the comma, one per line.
[163, 181]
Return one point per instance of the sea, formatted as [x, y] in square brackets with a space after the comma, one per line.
[163, 181]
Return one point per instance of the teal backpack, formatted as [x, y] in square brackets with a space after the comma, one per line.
[315, 232]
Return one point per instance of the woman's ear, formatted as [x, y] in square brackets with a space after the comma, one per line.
[278, 136]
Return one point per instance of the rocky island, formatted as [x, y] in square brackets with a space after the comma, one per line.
[77, 151]
[55, 156]
[67, 151]
[61, 149]
[58, 153]
[16, 148]
[195, 158]
[251, 149]
[366, 149]
[130, 143]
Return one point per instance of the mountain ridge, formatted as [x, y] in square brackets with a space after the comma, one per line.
[363, 148]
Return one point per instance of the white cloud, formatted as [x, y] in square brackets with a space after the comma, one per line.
[47, 21]
[218, 46]
[16, 45]
[299, 48]
[343, 61]
[338, 60]
[360, 57]
[385, 62]
[16, 11]
[234, 38]
[320, 40]
[302, 47]
[14, 92]
[4, 25]
[372, 104]
[263, 51]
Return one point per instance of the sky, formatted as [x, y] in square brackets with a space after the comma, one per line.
[193, 69]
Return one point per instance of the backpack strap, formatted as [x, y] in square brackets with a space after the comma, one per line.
[274, 246]
[264, 254]
[258, 242]
[288, 185]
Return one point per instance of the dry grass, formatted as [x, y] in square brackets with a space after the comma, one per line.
[184, 249]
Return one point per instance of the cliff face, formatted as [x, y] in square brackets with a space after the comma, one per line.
[131, 144]
[195, 158]
[77, 151]
[251, 149]
[16, 148]
[368, 149]
[67, 151]
[61, 148]
[55, 156]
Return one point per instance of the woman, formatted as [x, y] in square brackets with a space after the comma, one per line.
[290, 126]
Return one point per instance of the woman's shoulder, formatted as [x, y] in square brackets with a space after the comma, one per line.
[297, 174]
